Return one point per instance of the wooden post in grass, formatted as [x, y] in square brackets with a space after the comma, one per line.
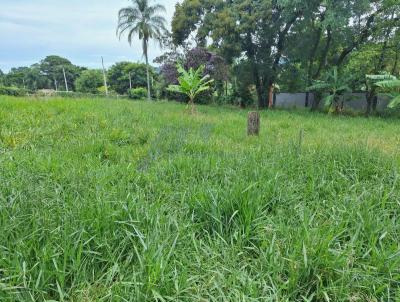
[253, 123]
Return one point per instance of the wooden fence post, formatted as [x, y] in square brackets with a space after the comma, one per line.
[253, 123]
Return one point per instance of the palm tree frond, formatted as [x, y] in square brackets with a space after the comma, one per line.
[141, 19]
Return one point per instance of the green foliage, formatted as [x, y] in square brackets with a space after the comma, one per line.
[48, 74]
[137, 93]
[293, 43]
[13, 91]
[380, 77]
[118, 76]
[133, 201]
[392, 85]
[89, 81]
[191, 83]
[145, 21]
[1, 77]
[334, 85]
[35, 79]
[52, 67]
[16, 77]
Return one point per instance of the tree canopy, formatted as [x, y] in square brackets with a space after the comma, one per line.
[122, 75]
[90, 81]
[307, 37]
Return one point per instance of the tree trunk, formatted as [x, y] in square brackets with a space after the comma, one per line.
[270, 97]
[369, 96]
[147, 70]
[396, 60]
[191, 104]
[312, 58]
[336, 103]
[258, 81]
[324, 58]
[316, 102]
[372, 100]
[374, 104]
[253, 123]
[262, 101]
[307, 99]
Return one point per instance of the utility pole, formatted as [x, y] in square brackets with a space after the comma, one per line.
[104, 75]
[130, 81]
[65, 80]
[55, 84]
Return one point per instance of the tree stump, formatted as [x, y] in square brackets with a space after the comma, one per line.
[253, 123]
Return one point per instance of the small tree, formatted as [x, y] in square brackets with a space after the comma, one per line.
[89, 81]
[372, 89]
[191, 83]
[335, 86]
[393, 86]
[389, 84]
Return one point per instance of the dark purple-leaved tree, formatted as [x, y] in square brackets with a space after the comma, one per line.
[214, 64]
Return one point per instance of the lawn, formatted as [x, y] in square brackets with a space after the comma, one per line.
[114, 200]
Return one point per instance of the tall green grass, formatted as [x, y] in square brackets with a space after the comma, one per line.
[104, 200]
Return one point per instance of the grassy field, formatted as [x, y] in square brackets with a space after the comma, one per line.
[104, 200]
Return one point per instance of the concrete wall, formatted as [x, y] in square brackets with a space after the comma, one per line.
[292, 100]
[357, 101]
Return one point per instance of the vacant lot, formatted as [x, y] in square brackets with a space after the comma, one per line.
[107, 200]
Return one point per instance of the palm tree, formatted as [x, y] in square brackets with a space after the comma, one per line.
[143, 20]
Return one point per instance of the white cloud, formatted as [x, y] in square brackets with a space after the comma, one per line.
[80, 30]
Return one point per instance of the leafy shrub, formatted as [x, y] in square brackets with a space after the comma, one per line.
[191, 83]
[137, 93]
[13, 91]
[89, 81]
[45, 92]
[102, 90]
[121, 73]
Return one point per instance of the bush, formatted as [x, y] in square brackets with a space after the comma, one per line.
[13, 91]
[137, 93]
[89, 81]
[118, 76]
[45, 92]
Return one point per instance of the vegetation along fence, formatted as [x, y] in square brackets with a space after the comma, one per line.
[353, 101]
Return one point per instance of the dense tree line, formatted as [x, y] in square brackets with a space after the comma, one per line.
[57, 73]
[249, 48]
[292, 44]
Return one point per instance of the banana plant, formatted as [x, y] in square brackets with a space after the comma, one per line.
[372, 89]
[390, 84]
[334, 86]
[191, 83]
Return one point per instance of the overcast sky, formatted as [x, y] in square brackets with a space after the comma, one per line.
[80, 30]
